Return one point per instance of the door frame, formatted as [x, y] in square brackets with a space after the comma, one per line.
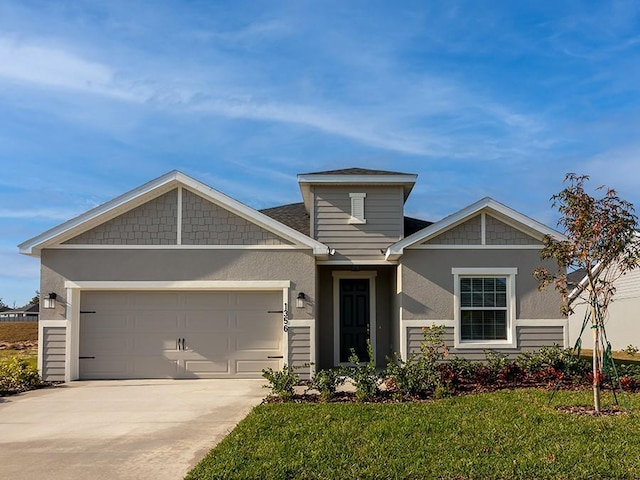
[337, 276]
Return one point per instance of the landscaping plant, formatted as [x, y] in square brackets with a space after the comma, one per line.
[363, 374]
[601, 240]
[281, 382]
[326, 382]
[18, 375]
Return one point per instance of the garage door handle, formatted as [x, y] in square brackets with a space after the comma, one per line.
[275, 356]
[82, 358]
[183, 344]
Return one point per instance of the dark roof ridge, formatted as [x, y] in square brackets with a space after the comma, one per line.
[356, 171]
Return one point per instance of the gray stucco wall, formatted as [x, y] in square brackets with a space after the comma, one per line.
[153, 223]
[177, 265]
[325, 320]
[529, 338]
[428, 283]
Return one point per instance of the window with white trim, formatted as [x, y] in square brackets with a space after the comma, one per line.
[357, 207]
[485, 307]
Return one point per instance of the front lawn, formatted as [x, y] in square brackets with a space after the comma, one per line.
[505, 434]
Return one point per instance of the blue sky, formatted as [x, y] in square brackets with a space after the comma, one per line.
[495, 99]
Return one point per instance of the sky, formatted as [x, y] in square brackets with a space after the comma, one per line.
[498, 99]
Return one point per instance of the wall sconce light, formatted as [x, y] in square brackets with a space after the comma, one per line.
[300, 300]
[50, 300]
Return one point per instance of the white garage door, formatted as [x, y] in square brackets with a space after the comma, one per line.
[179, 334]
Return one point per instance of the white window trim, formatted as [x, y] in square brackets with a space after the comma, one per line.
[357, 203]
[510, 274]
[337, 276]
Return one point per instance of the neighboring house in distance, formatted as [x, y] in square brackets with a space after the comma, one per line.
[176, 279]
[25, 314]
[622, 322]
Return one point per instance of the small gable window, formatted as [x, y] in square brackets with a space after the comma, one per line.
[357, 207]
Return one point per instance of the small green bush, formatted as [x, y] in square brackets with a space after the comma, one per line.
[281, 382]
[363, 374]
[17, 375]
[326, 382]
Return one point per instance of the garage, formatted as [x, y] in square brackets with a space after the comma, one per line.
[179, 334]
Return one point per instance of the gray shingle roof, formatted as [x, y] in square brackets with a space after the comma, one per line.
[355, 171]
[292, 215]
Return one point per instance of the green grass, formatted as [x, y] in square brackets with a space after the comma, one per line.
[506, 434]
[31, 355]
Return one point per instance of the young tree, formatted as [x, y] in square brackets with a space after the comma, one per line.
[601, 240]
[36, 299]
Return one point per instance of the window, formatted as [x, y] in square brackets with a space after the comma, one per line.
[357, 207]
[485, 307]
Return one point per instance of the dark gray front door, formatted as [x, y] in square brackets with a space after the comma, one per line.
[354, 317]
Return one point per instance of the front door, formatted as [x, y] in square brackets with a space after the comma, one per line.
[354, 317]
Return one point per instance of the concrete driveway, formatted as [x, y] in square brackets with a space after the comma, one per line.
[128, 429]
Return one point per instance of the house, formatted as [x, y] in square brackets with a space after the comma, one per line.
[28, 313]
[622, 320]
[176, 279]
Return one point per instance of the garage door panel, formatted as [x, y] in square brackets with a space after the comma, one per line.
[105, 322]
[254, 368]
[154, 343]
[104, 367]
[208, 367]
[104, 344]
[156, 321]
[209, 344]
[159, 301]
[207, 321]
[135, 334]
[251, 344]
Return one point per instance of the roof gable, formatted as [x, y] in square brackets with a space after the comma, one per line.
[150, 191]
[501, 212]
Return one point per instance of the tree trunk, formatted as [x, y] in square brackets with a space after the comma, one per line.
[595, 326]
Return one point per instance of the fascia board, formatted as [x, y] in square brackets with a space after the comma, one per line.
[396, 250]
[169, 180]
[351, 179]
[33, 245]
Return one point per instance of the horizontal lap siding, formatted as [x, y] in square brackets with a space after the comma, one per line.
[300, 350]
[383, 211]
[53, 353]
[529, 338]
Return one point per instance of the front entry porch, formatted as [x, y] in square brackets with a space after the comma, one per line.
[356, 304]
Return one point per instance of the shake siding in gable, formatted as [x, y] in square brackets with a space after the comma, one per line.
[383, 211]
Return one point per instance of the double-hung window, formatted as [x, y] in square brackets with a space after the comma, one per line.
[484, 307]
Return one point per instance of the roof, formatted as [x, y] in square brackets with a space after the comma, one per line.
[151, 190]
[354, 176]
[33, 308]
[501, 211]
[355, 171]
[413, 225]
[293, 215]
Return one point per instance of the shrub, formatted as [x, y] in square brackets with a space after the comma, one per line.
[483, 375]
[511, 373]
[363, 375]
[631, 350]
[16, 375]
[326, 382]
[281, 382]
[421, 374]
[462, 367]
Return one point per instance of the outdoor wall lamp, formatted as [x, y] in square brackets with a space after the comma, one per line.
[50, 300]
[300, 300]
